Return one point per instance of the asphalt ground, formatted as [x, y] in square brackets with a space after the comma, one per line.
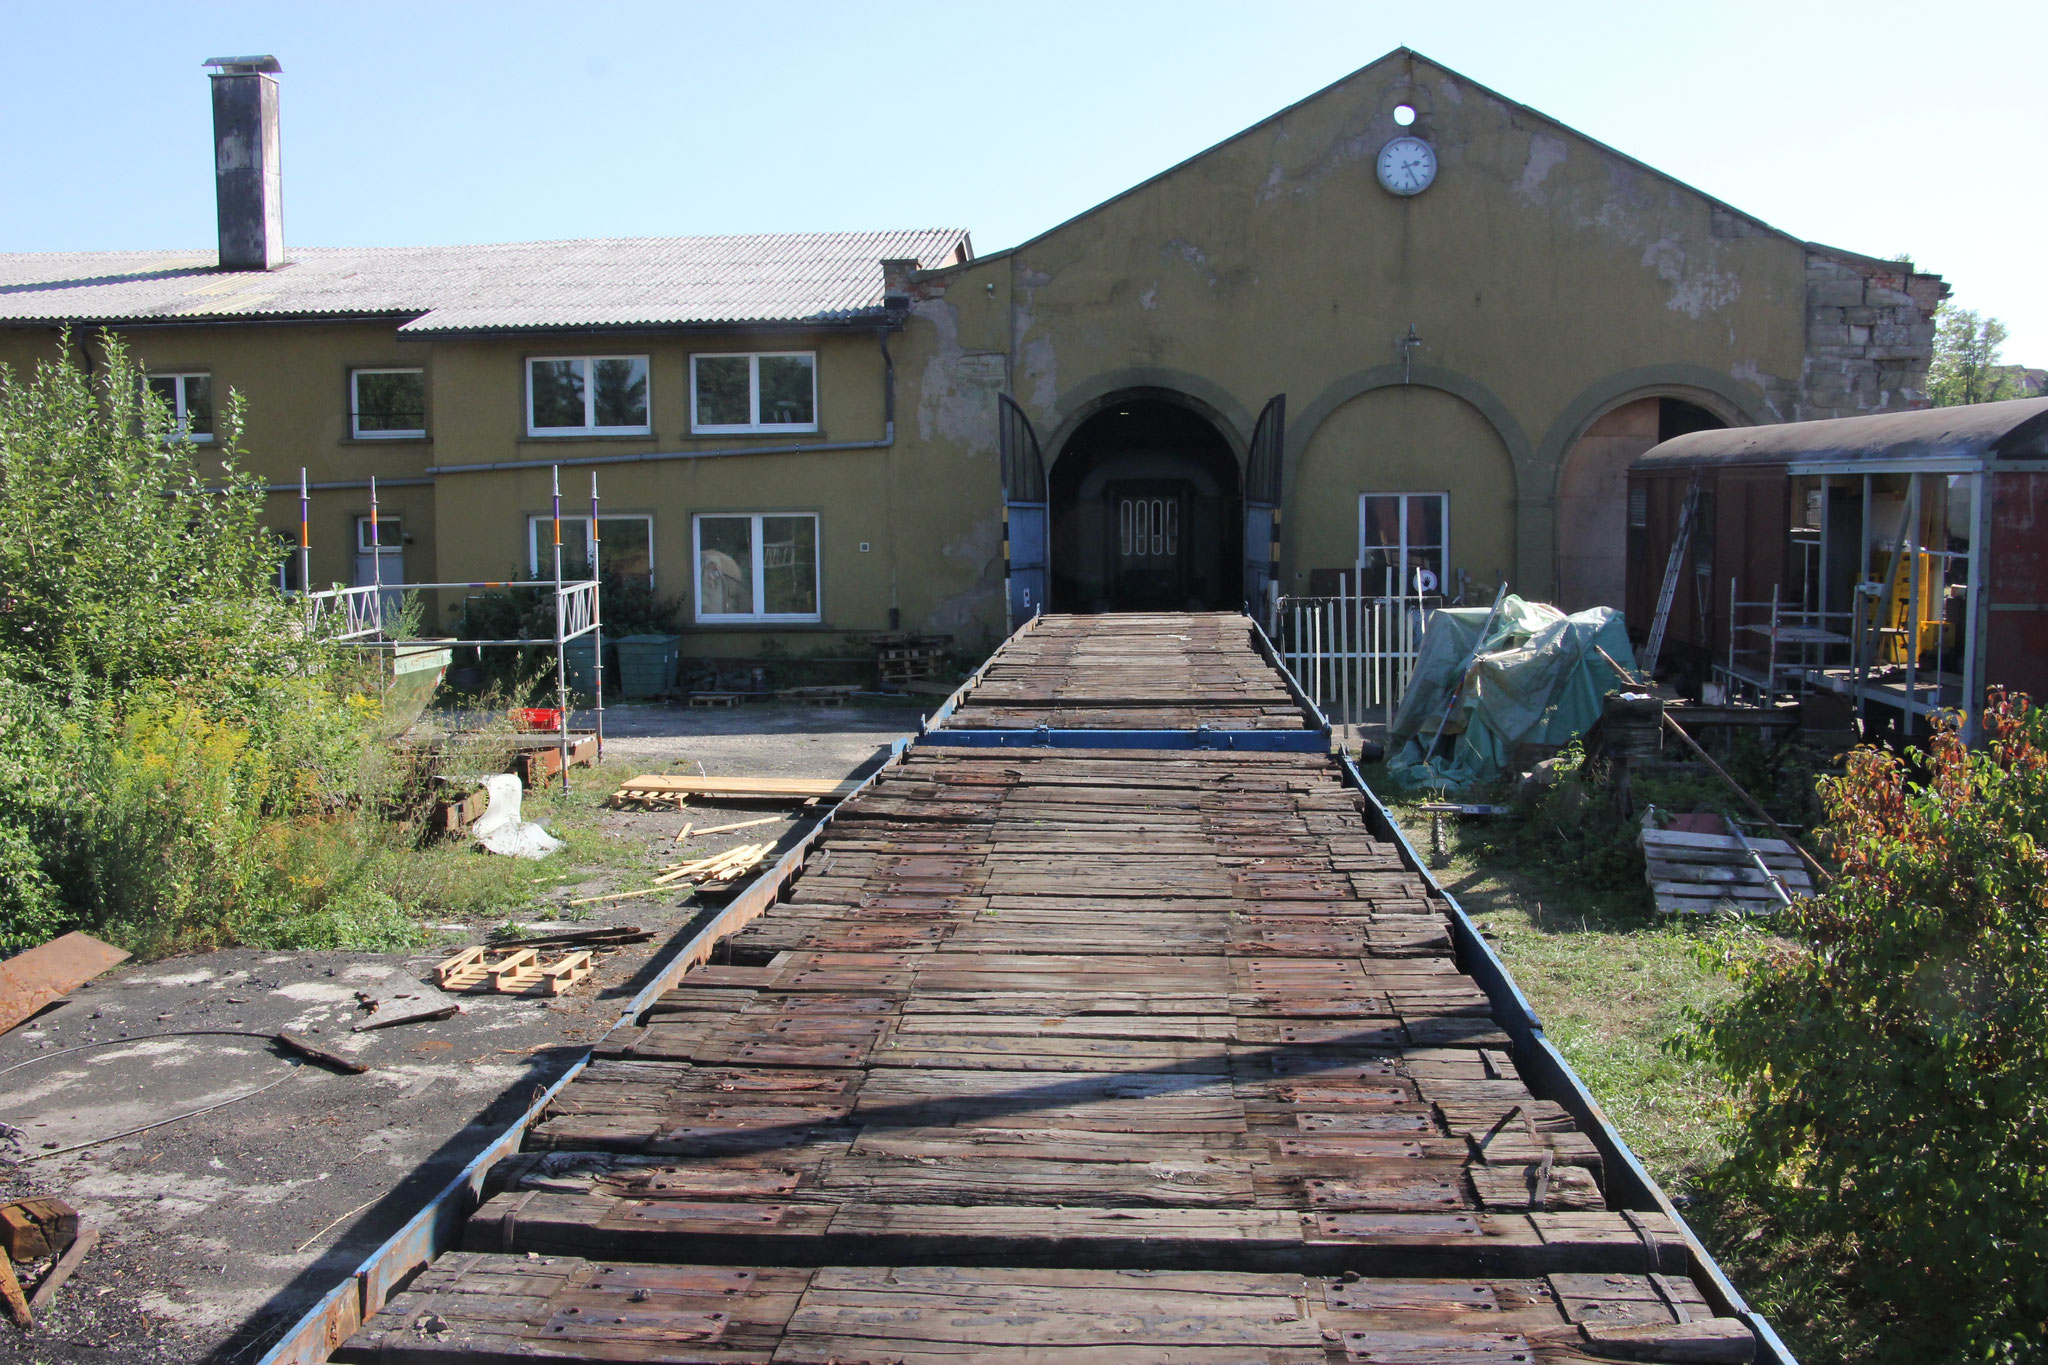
[218, 1231]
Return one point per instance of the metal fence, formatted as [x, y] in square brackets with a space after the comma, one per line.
[1354, 653]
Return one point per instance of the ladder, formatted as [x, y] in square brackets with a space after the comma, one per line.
[1672, 568]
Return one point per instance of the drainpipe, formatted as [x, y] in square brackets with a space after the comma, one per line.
[887, 440]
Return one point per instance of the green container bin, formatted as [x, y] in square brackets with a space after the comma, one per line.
[580, 660]
[647, 664]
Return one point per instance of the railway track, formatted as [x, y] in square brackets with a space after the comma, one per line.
[1059, 1053]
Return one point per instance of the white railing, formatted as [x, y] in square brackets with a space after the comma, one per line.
[361, 611]
[1354, 653]
[575, 609]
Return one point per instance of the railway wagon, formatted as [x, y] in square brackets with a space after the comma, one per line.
[1899, 561]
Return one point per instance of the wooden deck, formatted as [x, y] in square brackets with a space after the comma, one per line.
[1146, 672]
[1074, 1056]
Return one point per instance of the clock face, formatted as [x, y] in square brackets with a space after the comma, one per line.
[1407, 165]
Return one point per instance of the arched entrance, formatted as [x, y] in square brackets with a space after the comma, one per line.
[1592, 495]
[1146, 511]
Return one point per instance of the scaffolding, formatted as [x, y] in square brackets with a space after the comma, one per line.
[360, 609]
[1875, 621]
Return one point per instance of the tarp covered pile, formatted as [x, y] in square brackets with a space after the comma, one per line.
[1490, 680]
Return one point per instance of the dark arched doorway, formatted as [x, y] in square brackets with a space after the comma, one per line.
[1146, 513]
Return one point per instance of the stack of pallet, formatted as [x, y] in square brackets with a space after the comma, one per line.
[909, 658]
[1697, 874]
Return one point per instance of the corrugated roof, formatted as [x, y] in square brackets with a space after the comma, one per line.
[2017, 430]
[822, 277]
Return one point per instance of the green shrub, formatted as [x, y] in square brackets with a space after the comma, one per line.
[1890, 1050]
[173, 740]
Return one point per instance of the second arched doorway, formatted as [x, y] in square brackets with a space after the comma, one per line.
[1146, 511]
[1592, 495]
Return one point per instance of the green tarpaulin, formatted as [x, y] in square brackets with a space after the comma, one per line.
[1535, 678]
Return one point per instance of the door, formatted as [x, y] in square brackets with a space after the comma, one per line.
[381, 559]
[1147, 549]
[1026, 521]
[1262, 509]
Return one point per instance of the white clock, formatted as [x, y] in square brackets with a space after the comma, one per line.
[1407, 165]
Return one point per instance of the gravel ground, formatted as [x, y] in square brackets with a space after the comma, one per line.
[218, 1231]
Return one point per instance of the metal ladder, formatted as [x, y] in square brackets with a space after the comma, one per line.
[1672, 567]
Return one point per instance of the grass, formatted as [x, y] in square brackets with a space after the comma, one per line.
[1610, 984]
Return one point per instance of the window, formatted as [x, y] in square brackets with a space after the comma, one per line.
[754, 392]
[387, 405]
[757, 567]
[1404, 535]
[625, 546]
[586, 395]
[390, 534]
[190, 400]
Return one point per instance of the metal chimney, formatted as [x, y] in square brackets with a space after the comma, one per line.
[248, 184]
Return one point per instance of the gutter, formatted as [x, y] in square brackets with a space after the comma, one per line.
[888, 439]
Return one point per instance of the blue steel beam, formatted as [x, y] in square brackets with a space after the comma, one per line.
[1251, 741]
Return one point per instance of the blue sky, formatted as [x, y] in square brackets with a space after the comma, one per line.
[1878, 127]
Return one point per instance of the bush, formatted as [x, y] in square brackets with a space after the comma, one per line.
[169, 728]
[1890, 1050]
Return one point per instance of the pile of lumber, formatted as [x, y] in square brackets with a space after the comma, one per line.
[651, 792]
[721, 869]
[520, 971]
[1695, 874]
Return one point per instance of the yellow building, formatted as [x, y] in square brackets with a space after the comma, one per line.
[1473, 319]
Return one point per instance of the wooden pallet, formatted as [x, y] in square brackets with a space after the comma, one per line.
[716, 698]
[1038, 1044]
[792, 790]
[517, 972]
[1698, 874]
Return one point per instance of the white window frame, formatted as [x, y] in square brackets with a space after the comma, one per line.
[760, 567]
[386, 522]
[178, 404]
[589, 427]
[355, 405]
[1405, 581]
[753, 359]
[540, 537]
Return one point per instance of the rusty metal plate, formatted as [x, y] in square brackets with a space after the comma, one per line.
[1326, 1068]
[1342, 1094]
[672, 1279]
[1394, 1193]
[1438, 1348]
[1355, 1034]
[1365, 1122]
[794, 1053]
[1356, 1147]
[687, 1183]
[690, 1211]
[1376, 1296]
[778, 1082]
[633, 1323]
[1398, 1226]
[31, 980]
